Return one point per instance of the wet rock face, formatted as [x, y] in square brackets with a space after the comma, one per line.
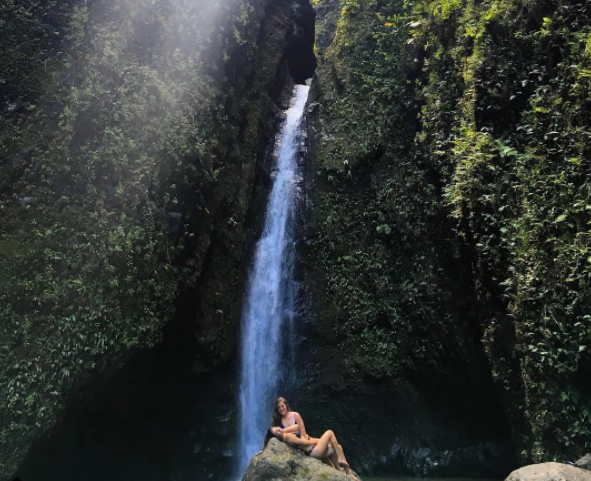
[490, 459]
[393, 429]
[154, 421]
[278, 461]
[549, 472]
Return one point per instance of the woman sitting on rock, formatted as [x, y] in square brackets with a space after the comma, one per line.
[290, 421]
[321, 448]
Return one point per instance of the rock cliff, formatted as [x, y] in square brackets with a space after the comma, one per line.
[130, 133]
[442, 264]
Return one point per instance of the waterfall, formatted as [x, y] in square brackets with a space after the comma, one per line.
[268, 305]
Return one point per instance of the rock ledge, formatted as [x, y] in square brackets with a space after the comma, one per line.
[279, 461]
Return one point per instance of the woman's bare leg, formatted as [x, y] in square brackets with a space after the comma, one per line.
[339, 449]
[321, 449]
[342, 460]
[334, 459]
[331, 459]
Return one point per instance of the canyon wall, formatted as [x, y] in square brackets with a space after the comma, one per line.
[446, 250]
[130, 139]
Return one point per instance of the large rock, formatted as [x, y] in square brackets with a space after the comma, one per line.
[278, 461]
[584, 462]
[549, 472]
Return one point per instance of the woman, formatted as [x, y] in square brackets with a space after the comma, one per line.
[292, 423]
[289, 420]
[324, 447]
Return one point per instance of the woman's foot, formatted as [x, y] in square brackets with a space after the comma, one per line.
[353, 475]
[345, 465]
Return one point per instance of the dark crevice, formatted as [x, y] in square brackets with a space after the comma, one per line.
[300, 56]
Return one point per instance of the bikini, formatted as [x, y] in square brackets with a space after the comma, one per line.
[308, 452]
[295, 421]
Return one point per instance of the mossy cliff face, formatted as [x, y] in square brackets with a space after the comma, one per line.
[129, 138]
[450, 210]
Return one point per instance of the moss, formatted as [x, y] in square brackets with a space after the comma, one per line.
[385, 288]
[475, 112]
[134, 147]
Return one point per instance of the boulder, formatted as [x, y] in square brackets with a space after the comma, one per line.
[549, 472]
[584, 462]
[278, 461]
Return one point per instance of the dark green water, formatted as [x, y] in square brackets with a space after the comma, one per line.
[427, 479]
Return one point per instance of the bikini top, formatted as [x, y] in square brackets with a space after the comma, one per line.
[295, 421]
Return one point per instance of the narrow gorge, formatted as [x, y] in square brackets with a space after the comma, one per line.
[378, 209]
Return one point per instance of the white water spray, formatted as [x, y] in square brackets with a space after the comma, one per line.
[265, 309]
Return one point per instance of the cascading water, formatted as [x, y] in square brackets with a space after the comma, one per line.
[268, 306]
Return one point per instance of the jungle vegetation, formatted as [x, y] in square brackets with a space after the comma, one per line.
[454, 173]
[112, 178]
[453, 190]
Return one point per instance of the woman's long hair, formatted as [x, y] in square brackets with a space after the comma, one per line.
[268, 437]
[276, 421]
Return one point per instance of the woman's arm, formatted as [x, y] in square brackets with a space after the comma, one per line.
[301, 425]
[294, 440]
[290, 429]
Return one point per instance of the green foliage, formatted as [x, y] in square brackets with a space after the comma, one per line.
[350, 6]
[520, 191]
[375, 213]
[120, 128]
[485, 106]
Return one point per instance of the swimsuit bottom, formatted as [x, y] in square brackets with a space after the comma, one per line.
[309, 451]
